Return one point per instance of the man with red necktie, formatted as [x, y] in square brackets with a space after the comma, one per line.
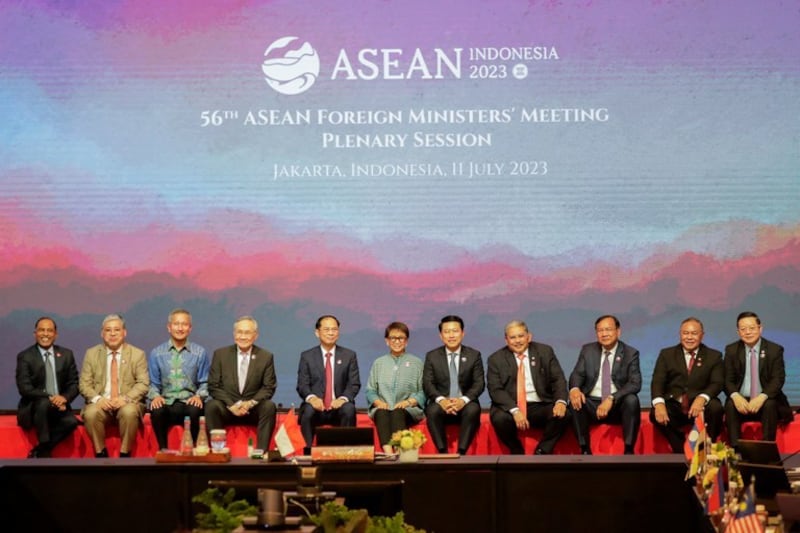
[754, 377]
[114, 381]
[327, 381]
[686, 382]
[527, 388]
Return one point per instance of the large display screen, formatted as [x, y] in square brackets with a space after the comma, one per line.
[381, 161]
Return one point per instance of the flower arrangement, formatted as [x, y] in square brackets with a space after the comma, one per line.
[408, 439]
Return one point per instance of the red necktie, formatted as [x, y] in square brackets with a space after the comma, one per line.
[114, 376]
[691, 362]
[522, 397]
[328, 381]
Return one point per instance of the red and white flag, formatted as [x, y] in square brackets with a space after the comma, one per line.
[289, 438]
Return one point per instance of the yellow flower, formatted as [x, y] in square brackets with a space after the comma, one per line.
[408, 439]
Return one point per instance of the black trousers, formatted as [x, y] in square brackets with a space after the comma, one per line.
[52, 426]
[768, 416]
[625, 411]
[387, 421]
[172, 415]
[469, 420]
[540, 414]
[678, 420]
[310, 419]
[262, 416]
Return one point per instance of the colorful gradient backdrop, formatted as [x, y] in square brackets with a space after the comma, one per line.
[114, 198]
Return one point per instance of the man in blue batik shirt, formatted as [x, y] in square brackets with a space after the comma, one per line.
[178, 379]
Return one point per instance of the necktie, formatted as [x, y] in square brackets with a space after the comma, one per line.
[755, 384]
[328, 381]
[685, 397]
[453, 375]
[242, 371]
[49, 375]
[114, 376]
[522, 397]
[605, 383]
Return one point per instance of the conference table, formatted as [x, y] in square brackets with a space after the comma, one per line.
[471, 493]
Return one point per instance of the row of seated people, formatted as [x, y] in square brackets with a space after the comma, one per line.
[525, 382]
[607, 439]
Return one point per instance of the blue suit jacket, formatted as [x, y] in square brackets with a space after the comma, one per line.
[311, 374]
[625, 371]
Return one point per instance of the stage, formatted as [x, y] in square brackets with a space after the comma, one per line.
[472, 493]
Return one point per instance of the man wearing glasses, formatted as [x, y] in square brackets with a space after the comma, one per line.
[754, 376]
[327, 381]
[604, 384]
[241, 382]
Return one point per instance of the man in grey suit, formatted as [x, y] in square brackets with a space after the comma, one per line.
[604, 384]
[241, 382]
[527, 388]
[754, 377]
[47, 380]
[452, 379]
[114, 381]
[327, 381]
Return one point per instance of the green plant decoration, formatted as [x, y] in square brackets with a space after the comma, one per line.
[224, 513]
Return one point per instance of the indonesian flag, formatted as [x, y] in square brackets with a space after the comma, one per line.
[289, 438]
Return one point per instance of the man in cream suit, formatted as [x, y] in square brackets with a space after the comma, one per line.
[241, 382]
[114, 382]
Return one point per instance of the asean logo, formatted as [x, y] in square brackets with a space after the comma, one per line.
[290, 71]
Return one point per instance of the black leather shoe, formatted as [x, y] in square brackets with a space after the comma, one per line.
[124, 455]
[101, 453]
[539, 451]
[628, 450]
[34, 453]
[585, 450]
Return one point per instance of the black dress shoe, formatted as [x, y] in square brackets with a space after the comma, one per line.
[628, 450]
[34, 453]
[124, 455]
[539, 451]
[101, 453]
[585, 450]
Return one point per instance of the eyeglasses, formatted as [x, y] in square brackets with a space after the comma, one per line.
[397, 339]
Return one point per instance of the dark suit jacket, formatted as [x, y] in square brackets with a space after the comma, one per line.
[436, 374]
[671, 379]
[771, 373]
[223, 377]
[31, 379]
[311, 374]
[548, 378]
[625, 371]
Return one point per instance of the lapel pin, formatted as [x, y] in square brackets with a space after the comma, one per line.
[58, 354]
[408, 364]
[618, 359]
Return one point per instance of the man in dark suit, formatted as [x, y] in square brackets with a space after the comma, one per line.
[542, 399]
[241, 382]
[754, 376]
[47, 380]
[452, 380]
[604, 384]
[686, 382]
[327, 381]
